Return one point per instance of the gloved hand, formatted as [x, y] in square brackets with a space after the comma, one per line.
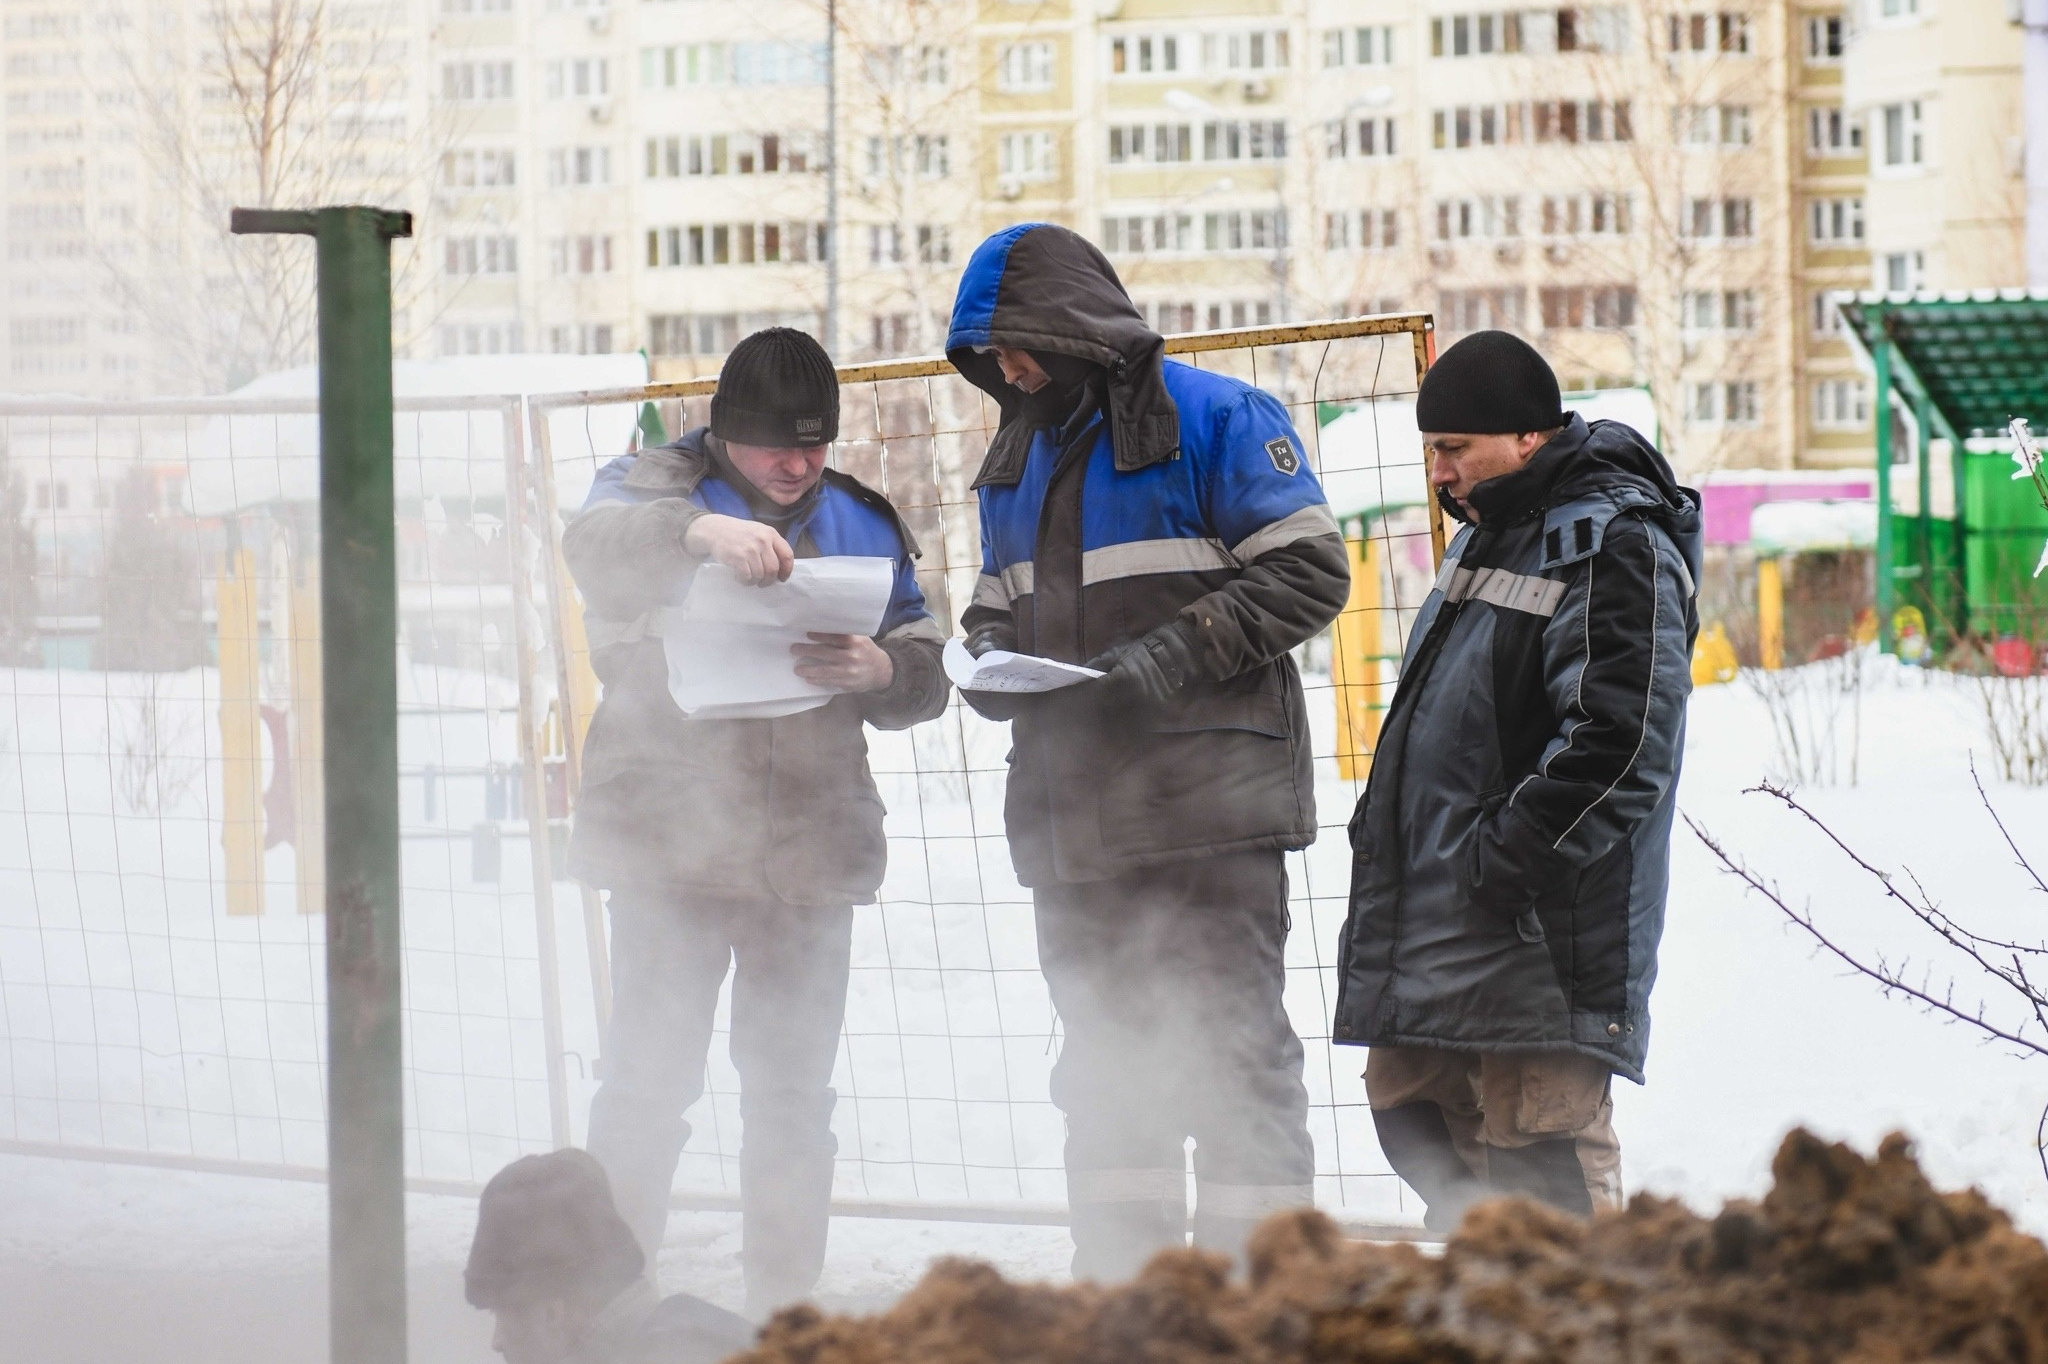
[1149, 671]
[994, 705]
[994, 635]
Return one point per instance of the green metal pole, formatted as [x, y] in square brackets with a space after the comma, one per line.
[359, 676]
[1881, 355]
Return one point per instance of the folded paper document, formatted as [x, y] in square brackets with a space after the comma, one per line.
[1001, 670]
[728, 644]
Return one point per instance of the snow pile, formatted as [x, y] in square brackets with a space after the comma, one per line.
[1844, 1259]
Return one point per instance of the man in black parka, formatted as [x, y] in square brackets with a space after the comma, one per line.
[1512, 847]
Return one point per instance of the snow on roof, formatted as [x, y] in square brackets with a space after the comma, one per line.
[1794, 527]
[244, 461]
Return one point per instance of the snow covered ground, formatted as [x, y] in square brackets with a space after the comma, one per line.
[1754, 1032]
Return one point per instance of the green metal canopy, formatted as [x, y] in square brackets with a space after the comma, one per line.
[1959, 365]
[1981, 358]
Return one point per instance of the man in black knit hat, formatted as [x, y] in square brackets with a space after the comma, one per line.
[737, 839]
[1513, 842]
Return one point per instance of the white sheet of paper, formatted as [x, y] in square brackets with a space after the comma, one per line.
[1001, 670]
[728, 643]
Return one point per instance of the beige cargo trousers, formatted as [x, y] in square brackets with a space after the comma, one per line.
[1493, 1102]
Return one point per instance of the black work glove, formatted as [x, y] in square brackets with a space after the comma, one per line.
[994, 635]
[994, 705]
[1149, 671]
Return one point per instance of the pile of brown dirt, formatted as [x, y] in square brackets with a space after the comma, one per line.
[1846, 1259]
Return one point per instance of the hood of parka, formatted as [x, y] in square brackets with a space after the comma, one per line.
[1043, 288]
[1603, 458]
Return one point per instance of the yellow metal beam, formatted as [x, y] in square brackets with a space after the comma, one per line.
[241, 735]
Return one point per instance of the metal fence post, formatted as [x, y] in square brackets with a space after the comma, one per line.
[359, 677]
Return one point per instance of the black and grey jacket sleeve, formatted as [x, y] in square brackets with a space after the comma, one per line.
[1617, 672]
[1295, 580]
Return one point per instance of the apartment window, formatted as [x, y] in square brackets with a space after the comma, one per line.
[1711, 219]
[1841, 405]
[1903, 272]
[1471, 310]
[1702, 403]
[747, 64]
[484, 169]
[934, 65]
[1367, 137]
[1240, 313]
[1734, 403]
[934, 244]
[735, 244]
[1145, 54]
[1833, 222]
[1168, 318]
[925, 155]
[1475, 35]
[486, 255]
[1710, 31]
[1824, 41]
[692, 333]
[1606, 307]
[1244, 230]
[1600, 28]
[669, 158]
[1589, 120]
[1256, 140]
[1476, 125]
[579, 78]
[1152, 144]
[1587, 215]
[1712, 125]
[587, 254]
[1486, 215]
[889, 333]
[469, 82]
[481, 338]
[1709, 310]
[1025, 158]
[1827, 315]
[1897, 9]
[1365, 45]
[1370, 229]
[885, 244]
[1261, 50]
[579, 166]
[1832, 131]
[1904, 143]
[1025, 68]
[583, 338]
[1139, 234]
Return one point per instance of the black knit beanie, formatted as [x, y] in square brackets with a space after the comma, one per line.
[545, 1225]
[777, 389]
[1491, 383]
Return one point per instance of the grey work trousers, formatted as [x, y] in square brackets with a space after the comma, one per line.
[1168, 983]
[669, 958]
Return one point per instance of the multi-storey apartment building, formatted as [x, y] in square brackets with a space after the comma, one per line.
[1657, 191]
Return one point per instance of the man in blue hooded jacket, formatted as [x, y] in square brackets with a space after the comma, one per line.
[1512, 847]
[1160, 522]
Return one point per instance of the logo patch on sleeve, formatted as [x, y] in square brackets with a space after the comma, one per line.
[1281, 451]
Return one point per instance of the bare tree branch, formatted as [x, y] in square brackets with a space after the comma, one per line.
[1889, 978]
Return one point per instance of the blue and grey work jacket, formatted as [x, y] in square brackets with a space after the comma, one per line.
[1180, 497]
